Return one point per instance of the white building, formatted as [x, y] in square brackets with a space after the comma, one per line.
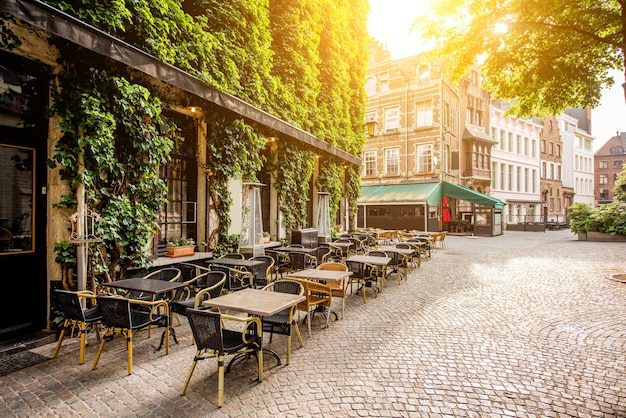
[515, 165]
[577, 159]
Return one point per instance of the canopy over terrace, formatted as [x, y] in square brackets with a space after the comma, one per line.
[421, 194]
[58, 23]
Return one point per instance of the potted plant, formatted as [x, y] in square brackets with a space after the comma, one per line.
[181, 248]
[266, 237]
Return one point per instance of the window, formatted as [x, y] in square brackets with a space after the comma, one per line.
[543, 170]
[543, 145]
[494, 173]
[519, 179]
[424, 158]
[526, 179]
[502, 176]
[526, 149]
[494, 133]
[424, 114]
[617, 164]
[423, 74]
[392, 161]
[518, 142]
[550, 148]
[392, 118]
[384, 82]
[370, 86]
[534, 181]
[603, 164]
[510, 178]
[369, 162]
[502, 139]
[533, 150]
[603, 179]
[604, 194]
[558, 150]
[617, 150]
[510, 142]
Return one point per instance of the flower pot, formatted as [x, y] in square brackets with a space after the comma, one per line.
[266, 240]
[181, 251]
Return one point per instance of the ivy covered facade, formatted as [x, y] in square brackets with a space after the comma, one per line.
[153, 114]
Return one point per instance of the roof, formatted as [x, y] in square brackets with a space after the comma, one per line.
[74, 30]
[423, 193]
[475, 132]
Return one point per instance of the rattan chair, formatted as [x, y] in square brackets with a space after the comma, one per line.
[208, 284]
[236, 256]
[213, 340]
[71, 305]
[268, 270]
[318, 296]
[235, 279]
[366, 276]
[281, 262]
[125, 315]
[301, 261]
[284, 322]
[339, 289]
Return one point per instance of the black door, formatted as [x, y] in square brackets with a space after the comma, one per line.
[23, 136]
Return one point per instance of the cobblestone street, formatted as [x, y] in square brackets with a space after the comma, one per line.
[521, 325]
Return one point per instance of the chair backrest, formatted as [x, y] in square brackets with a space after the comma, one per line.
[268, 263]
[333, 265]
[115, 311]
[286, 286]
[188, 271]
[170, 274]
[233, 279]
[376, 253]
[236, 256]
[321, 252]
[356, 268]
[70, 304]
[206, 327]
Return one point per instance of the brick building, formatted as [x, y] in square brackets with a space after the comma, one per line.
[608, 163]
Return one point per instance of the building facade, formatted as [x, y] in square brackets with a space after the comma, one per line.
[516, 166]
[577, 159]
[608, 163]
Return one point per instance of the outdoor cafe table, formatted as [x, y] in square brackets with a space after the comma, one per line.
[255, 302]
[154, 287]
[320, 275]
[372, 259]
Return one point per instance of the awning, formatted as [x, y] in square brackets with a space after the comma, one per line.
[58, 23]
[423, 193]
[460, 192]
[406, 194]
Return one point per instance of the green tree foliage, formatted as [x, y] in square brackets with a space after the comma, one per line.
[619, 188]
[548, 56]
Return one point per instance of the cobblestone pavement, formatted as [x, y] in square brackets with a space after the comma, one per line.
[521, 325]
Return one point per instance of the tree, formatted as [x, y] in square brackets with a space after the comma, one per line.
[547, 56]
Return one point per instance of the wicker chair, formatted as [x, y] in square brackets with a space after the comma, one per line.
[125, 315]
[284, 323]
[70, 304]
[209, 285]
[281, 262]
[339, 289]
[213, 340]
[235, 279]
[268, 270]
[302, 261]
[318, 296]
[366, 276]
[236, 256]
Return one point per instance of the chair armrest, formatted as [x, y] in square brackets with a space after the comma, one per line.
[155, 305]
[201, 293]
[249, 321]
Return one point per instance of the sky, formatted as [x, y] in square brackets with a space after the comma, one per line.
[390, 21]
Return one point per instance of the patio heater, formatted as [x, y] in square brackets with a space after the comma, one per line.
[323, 217]
[251, 237]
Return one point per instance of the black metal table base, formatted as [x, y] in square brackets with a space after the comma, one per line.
[245, 356]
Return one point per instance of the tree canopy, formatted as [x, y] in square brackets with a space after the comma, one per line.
[545, 56]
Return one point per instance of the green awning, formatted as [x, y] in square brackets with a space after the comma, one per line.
[460, 192]
[408, 194]
[423, 193]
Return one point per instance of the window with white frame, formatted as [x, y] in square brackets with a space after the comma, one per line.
[502, 176]
[519, 179]
[384, 82]
[424, 113]
[392, 161]
[425, 158]
[369, 163]
[534, 181]
[603, 179]
[510, 178]
[526, 179]
[502, 139]
[370, 86]
[533, 150]
[526, 146]
[392, 118]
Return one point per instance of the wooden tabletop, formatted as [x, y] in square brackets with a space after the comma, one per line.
[325, 275]
[370, 259]
[255, 301]
[139, 284]
[404, 251]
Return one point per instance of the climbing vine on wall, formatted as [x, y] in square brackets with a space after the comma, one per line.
[114, 126]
